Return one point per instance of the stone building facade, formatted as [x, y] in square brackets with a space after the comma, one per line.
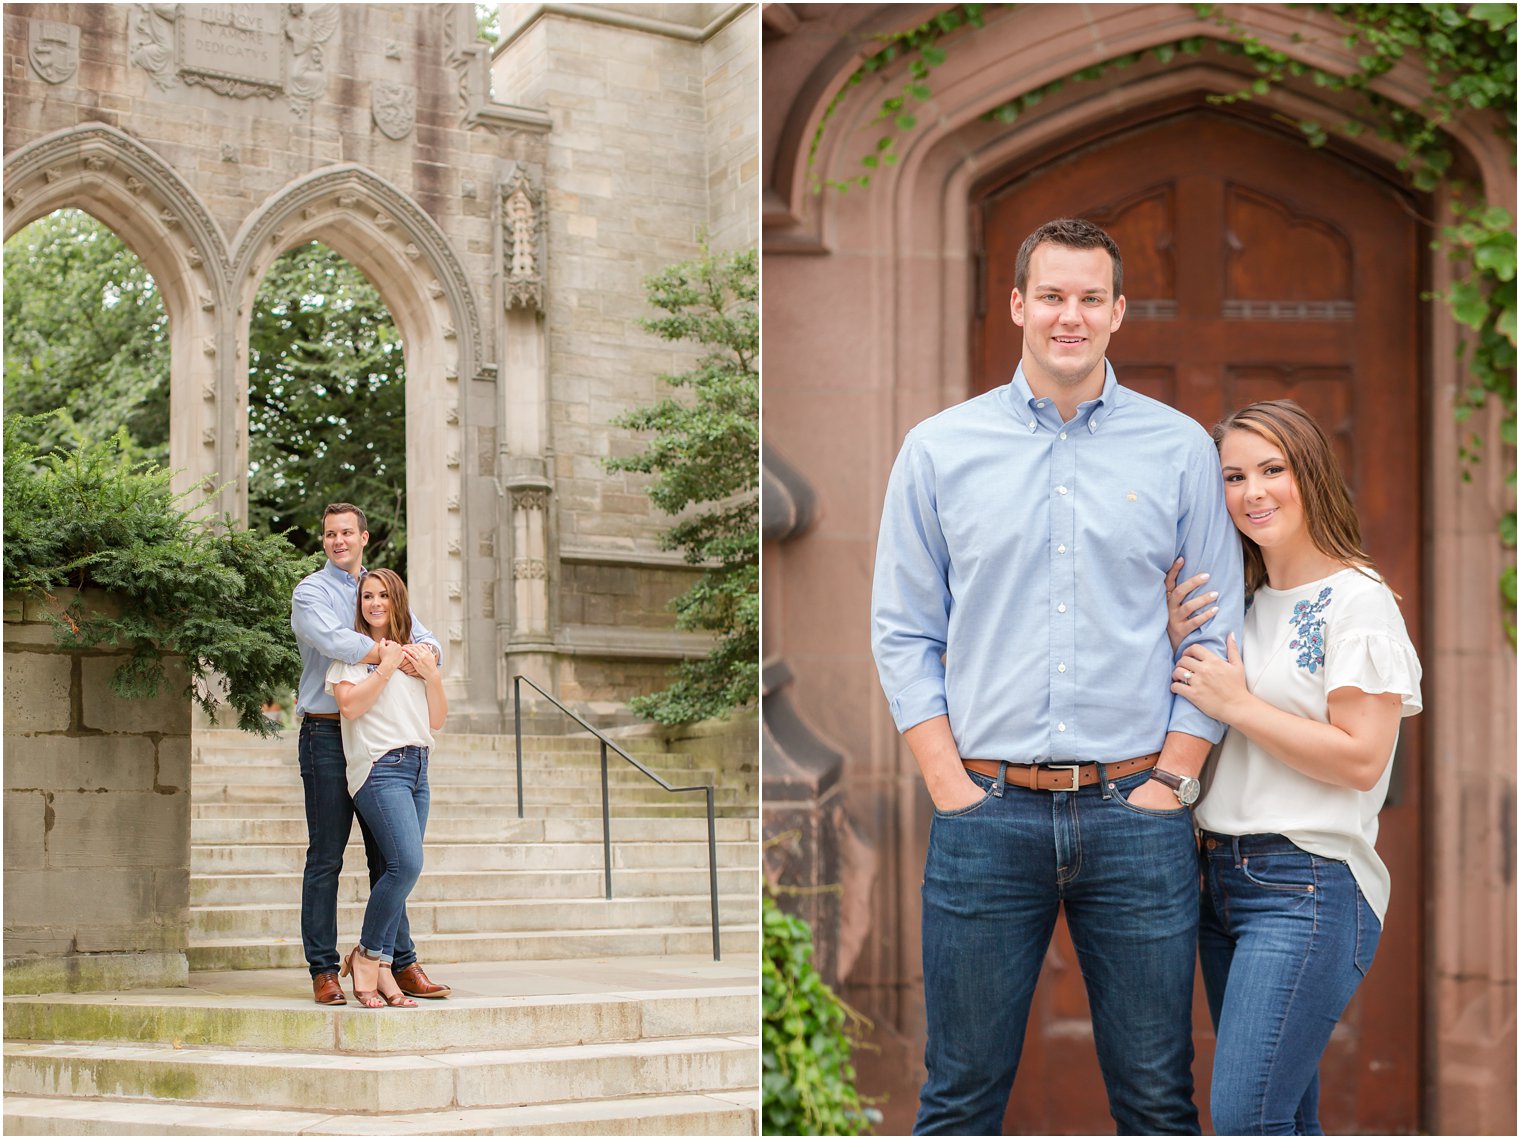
[882, 307]
[507, 208]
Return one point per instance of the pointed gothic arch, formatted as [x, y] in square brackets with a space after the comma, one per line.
[387, 236]
[139, 197]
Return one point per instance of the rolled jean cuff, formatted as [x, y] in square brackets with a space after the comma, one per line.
[377, 955]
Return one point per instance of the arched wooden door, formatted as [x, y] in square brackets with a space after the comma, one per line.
[1255, 268]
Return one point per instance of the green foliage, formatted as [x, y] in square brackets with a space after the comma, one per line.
[706, 458]
[488, 23]
[807, 1081]
[214, 596]
[920, 47]
[326, 404]
[85, 331]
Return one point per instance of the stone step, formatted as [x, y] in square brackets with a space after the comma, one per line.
[276, 858]
[579, 741]
[447, 808]
[440, 948]
[482, 885]
[324, 1082]
[544, 800]
[442, 772]
[722, 1113]
[516, 915]
[466, 1020]
[488, 828]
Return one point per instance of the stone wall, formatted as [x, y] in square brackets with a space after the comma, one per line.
[97, 820]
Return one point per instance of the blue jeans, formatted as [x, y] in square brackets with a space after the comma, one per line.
[394, 802]
[1284, 937]
[329, 821]
[996, 874]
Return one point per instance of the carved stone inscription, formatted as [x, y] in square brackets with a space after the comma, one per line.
[237, 43]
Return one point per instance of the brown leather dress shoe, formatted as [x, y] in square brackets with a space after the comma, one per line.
[414, 983]
[326, 990]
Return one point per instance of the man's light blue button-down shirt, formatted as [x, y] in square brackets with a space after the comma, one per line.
[1019, 585]
[322, 611]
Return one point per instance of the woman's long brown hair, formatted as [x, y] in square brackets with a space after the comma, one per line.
[399, 624]
[1322, 489]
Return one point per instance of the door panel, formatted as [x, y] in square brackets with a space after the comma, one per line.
[1255, 268]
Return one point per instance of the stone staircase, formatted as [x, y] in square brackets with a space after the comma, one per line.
[571, 1014]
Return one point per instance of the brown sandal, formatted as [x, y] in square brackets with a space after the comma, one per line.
[369, 998]
[398, 999]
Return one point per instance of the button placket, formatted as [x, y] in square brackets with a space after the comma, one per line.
[1063, 581]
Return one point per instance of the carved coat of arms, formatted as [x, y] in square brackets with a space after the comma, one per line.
[52, 49]
[394, 106]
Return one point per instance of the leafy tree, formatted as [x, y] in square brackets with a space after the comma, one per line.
[706, 459]
[326, 403]
[85, 331]
[216, 597]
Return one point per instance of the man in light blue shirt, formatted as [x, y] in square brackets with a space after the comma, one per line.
[1019, 629]
[322, 615]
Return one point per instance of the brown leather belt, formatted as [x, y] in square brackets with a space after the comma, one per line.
[323, 716]
[1060, 776]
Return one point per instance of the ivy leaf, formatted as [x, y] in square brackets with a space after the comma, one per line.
[1468, 304]
[1497, 255]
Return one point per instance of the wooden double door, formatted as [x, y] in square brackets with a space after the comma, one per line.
[1255, 268]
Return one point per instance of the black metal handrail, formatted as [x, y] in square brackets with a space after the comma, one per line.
[706, 788]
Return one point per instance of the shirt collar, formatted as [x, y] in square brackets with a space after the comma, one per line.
[342, 574]
[1030, 409]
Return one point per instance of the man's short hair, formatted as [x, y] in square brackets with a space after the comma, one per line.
[1074, 233]
[344, 508]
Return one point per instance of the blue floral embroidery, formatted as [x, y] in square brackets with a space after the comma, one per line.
[1310, 641]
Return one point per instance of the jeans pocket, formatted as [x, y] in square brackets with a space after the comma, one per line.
[389, 759]
[1121, 793]
[1290, 871]
[982, 781]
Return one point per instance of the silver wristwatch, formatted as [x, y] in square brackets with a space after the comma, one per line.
[1185, 787]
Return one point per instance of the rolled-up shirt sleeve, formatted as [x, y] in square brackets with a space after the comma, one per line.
[421, 636]
[910, 593]
[315, 624]
[1208, 541]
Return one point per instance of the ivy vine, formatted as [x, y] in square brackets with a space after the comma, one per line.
[1469, 54]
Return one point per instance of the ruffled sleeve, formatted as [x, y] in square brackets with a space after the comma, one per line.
[1367, 646]
[1375, 662]
[339, 671]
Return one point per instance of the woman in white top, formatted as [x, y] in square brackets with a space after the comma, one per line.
[388, 721]
[1293, 892]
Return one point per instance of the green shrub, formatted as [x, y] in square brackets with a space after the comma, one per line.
[215, 596]
[807, 1079]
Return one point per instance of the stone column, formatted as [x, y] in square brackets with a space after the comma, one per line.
[97, 819]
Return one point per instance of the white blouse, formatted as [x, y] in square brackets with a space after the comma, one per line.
[1301, 644]
[398, 717]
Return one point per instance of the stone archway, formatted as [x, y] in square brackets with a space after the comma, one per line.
[877, 316]
[127, 187]
[397, 246]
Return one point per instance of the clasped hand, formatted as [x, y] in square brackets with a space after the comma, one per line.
[1213, 685]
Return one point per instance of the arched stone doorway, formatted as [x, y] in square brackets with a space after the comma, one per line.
[877, 292]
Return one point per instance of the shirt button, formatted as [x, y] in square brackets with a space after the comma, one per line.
[1063, 435]
[1060, 727]
[1060, 549]
[1060, 490]
[1061, 608]
[1040, 403]
[1031, 425]
[1060, 668]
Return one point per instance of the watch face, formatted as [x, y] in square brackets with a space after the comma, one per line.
[1188, 792]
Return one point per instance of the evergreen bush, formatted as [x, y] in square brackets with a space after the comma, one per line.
[215, 596]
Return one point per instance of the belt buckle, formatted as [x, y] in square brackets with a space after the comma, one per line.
[1076, 775]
